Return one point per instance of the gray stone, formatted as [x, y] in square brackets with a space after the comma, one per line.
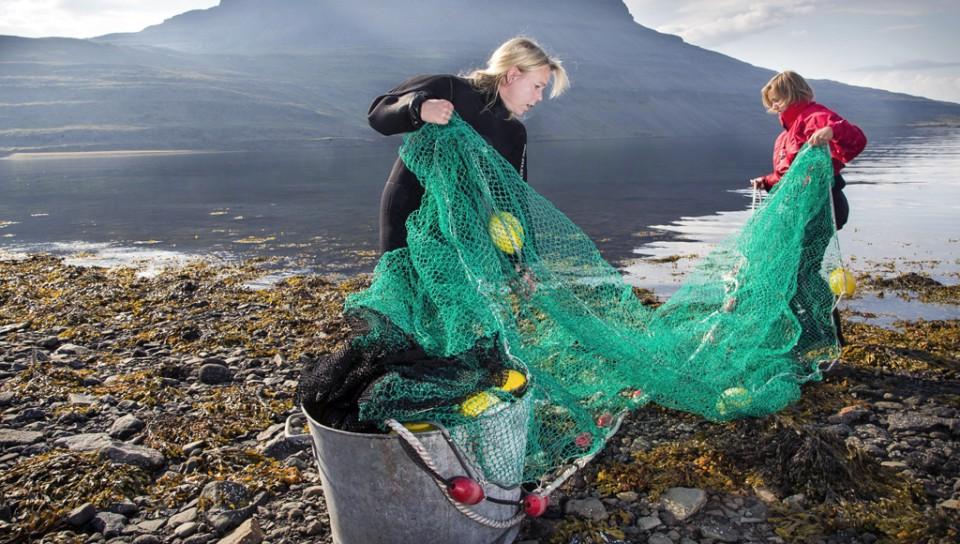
[126, 507]
[683, 502]
[213, 374]
[26, 415]
[270, 432]
[224, 494]
[146, 539]
[313, 492]
[79, 516]
[84, 442]
[587, 508]
[628, 496]
[13, 327]
[190, 514]
[226, 520]
[13, 437]
[126, 427]
[81, 398]
[152, 525]
[248, 532]
[72, 349]
[108, 524]
[951, 504]
[130, 454]
[908, 421]
[659, 538]
[185, 530]
[281, 447]
[6, 398]
[199, 538]
[719, 531]
[314, 528]
[649, 522]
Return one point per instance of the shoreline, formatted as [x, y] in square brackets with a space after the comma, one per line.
[118, 153]
[173, 388]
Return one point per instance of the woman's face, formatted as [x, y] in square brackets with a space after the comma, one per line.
[777, 102]
[521, 91]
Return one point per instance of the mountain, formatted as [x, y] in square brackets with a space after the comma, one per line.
[264, 73]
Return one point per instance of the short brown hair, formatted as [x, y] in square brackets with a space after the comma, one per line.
[787, 85]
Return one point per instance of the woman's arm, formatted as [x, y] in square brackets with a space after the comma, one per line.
[400, 110]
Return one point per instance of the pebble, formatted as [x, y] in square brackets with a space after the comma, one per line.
[591, 508]
[108, 524]
[125, 427]
[683, 502]
[129, 454]
[81, 515]
[215, 374]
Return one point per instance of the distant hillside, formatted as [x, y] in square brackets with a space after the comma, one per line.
[263, 73]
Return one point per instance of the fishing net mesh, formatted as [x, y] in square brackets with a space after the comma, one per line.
[542, 344]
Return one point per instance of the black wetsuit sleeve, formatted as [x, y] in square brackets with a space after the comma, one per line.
[398, 111]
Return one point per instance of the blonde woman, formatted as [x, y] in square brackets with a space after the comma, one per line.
[490, 99]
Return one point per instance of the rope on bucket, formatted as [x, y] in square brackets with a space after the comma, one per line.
[425, 461]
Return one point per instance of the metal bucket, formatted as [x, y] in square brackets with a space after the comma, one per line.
[376, 494]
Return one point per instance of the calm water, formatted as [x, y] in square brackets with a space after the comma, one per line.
[317, 209]
[904, 195]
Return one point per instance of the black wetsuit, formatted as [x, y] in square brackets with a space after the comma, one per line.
[398, 111]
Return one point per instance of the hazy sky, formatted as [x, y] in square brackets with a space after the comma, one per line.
[909, 46]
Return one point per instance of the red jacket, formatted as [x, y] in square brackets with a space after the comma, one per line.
[800, 120]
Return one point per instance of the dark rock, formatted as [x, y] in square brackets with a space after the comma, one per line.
[720, 531]
[224, 494]
[214, 374]
[126, 427]
[13, 437]
[84, 442]
[281, 447]
[587, 508]
[128, 454]
[108, 524]
[80, 515]
[125, 507]
[909, 421]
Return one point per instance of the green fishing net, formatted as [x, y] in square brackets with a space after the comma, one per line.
[547, 345]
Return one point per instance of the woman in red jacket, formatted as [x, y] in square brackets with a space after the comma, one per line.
[805, 121]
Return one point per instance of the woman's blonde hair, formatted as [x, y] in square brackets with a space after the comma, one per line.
[789, 86]
[526, 55]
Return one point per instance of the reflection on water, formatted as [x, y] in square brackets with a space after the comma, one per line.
[317, 210]
[904, 196]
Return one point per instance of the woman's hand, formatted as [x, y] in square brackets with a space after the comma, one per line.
[821, 137]
[436, 111]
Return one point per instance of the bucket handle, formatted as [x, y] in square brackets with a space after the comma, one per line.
[424, 455]
[288, 427]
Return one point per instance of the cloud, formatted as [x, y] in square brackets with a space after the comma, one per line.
[715, 23]
[938, 86]
[909, 65]
[87, 18]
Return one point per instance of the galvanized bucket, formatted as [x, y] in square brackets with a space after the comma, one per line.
[376, 494]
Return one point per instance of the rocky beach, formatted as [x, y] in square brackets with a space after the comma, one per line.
[150, 408]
